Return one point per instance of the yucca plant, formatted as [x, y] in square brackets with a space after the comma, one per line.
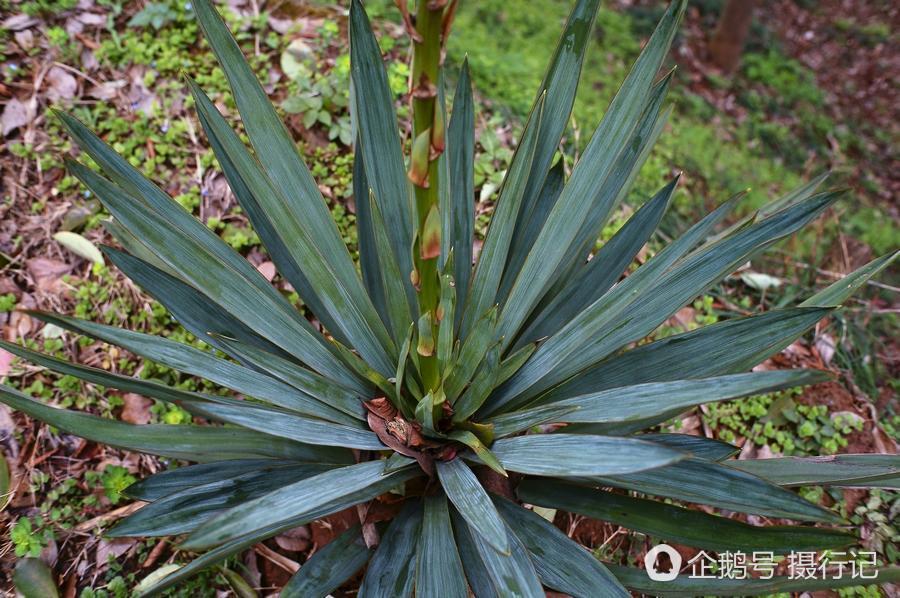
[450, 393]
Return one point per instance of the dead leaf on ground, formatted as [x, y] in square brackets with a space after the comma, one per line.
[17, 114]
[114, 547]
[61, 85]
[47, 273]
[295, 540]
[136, 409]
[267, 269]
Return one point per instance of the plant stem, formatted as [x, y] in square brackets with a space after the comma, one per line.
[427, 146]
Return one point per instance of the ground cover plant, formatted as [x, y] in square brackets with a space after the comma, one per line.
[444, 365]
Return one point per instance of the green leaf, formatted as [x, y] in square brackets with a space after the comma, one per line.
[712, 483]
[193, 310]
[835, 470]
[33, 579]
[285, 424]
[726, 347]
[379, 140]
[190, 360]
[279, 509]
[274, 145]
[560, 84]
[188, 442]
[480, 582]
[458, 213]
[139, 190]
[184, 510]
[529, 226]
[482, 452]
[339, 396]
[619, 181]
[110, 380]
[481, 386]
[581, 330]
[511, 574]
[231, 548]
[471, 500]
[648, 400]
[492, 258]
[329, 567]
[561, 563]
[267, 313]
[518, 421]
[637, 580]
[838, 292]
[392, 570]
[79, 246]
[594, 278]
[439, 571]
[259, 210]
[601, 329]
[698, 446]
[397, 307]
[343, 297]
[365, 238]
[576, 454]
[577, 200]
[176, 480]
[133, 245]
[677, 524]
[471, 353]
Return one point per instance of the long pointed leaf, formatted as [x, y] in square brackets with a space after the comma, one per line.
[726, 347]
[438, 568]
[379, 139]
[267, 313]
[188, 442]
[510, 574]
[458, 216]
[392, 570]
[295, 501]
[677, 524]
[575, 454]
[329, 567]
[711, 483]
[273, 144]
[471, 500]
[190, 360]
[576, 201]
[865, 470]
[344, 298]
[561, 563]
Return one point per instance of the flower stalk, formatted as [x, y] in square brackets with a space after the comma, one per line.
[428, 30]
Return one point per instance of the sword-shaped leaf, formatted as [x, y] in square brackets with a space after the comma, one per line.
[566, 455]
[561, 563]
[458, 215]
[511, 574]
[439, 571]
[872, 471]
[471, 500]
[294, 502]
[344, 298]
[379, 140]
[392, 570]
[329, 567]
[188, 442]
[677, 524]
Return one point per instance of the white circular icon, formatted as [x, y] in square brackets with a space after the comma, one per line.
[650, 563]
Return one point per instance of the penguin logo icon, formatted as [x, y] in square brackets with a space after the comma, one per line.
[650, 563]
